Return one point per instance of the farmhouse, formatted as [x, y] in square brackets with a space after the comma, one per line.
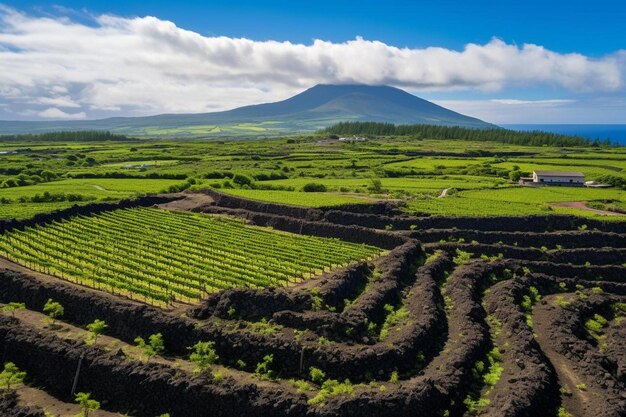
[568, 178]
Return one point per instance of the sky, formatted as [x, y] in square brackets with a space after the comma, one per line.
[502, 61]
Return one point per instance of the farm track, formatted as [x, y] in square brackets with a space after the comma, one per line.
[581, 205]
[408, 329]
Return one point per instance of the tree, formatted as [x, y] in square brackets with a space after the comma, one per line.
[95, 329]
[515, 175]
[13, 307]
[242, 180]
[204, 355]
[53, 309]
[155, 345]
[86, 404]
[11, 375]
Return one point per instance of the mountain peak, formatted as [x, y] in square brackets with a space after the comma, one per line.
[317, 107]
[362, 102]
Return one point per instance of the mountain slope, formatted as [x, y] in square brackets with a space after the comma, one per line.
[315, 108]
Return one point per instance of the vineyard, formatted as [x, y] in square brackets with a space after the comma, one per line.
[160, 256]
[459, 317]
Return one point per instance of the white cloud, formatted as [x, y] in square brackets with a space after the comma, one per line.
[146, 65]
[63, 101]
[603, 110]
[516, 102]
[54, 113]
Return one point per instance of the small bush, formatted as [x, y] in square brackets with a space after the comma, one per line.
[563, 413]
[395, 378]
[313, 187]
[203, 356]
[11, 376]
[53, 309]
[153, 347]
[461, 257]
[561, 302]
[317, 375]
[332, 388]
[263, 369]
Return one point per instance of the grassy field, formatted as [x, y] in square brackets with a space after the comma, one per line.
[476, 175]
[297, 198]
[16, 202]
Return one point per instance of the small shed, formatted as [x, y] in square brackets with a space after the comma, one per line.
[567, 178]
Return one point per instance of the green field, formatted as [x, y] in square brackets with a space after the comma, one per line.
[161, 256]
[477, 175]
[16, 202]
[298, 199]
[514, 201]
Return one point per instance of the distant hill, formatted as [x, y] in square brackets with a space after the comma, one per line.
[318, 107]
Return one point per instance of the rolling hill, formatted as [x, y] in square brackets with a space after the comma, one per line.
[315, 108]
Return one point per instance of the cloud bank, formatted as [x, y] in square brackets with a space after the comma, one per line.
[56, 67]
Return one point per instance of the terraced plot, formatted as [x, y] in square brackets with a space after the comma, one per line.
[465, 316]
[161, 256]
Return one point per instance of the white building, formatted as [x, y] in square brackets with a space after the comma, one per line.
[570, 178]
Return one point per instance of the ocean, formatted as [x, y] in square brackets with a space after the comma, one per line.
[612, 132]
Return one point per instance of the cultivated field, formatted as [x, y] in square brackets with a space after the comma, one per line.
[310, 277]
[477, 175]
[162, 257]
[508, 316]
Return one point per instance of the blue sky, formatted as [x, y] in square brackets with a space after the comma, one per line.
[590, 27]
[574, 70]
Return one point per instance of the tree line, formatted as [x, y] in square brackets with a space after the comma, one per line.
[422, 131]
[67, 136]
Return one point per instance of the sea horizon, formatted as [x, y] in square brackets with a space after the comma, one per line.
[613, 132]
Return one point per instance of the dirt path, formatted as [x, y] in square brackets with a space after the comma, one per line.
[444, 193]
[188, 203]
[37, 397]
[581, 205]
[29, 396]
[98, 187]
[578, 402]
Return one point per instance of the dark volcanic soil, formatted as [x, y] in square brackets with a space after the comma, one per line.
[411, 330]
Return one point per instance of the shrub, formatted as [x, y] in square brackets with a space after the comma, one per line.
[86, 403]
[53, 309]
[317, 303]
[11, 376]
[313, 187]
[495, 370]
[301, 386]
[331, 388]
[264, 327]
[155, 345]
[242, 180]
[263, 369]
[561, 302]
[13, 307]
[317, 375]
[394, 377]
[527, 304]
[95, 329]
[322, 341]
[203, 356]
[461, 257]
[392, 319]
[563, 413]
